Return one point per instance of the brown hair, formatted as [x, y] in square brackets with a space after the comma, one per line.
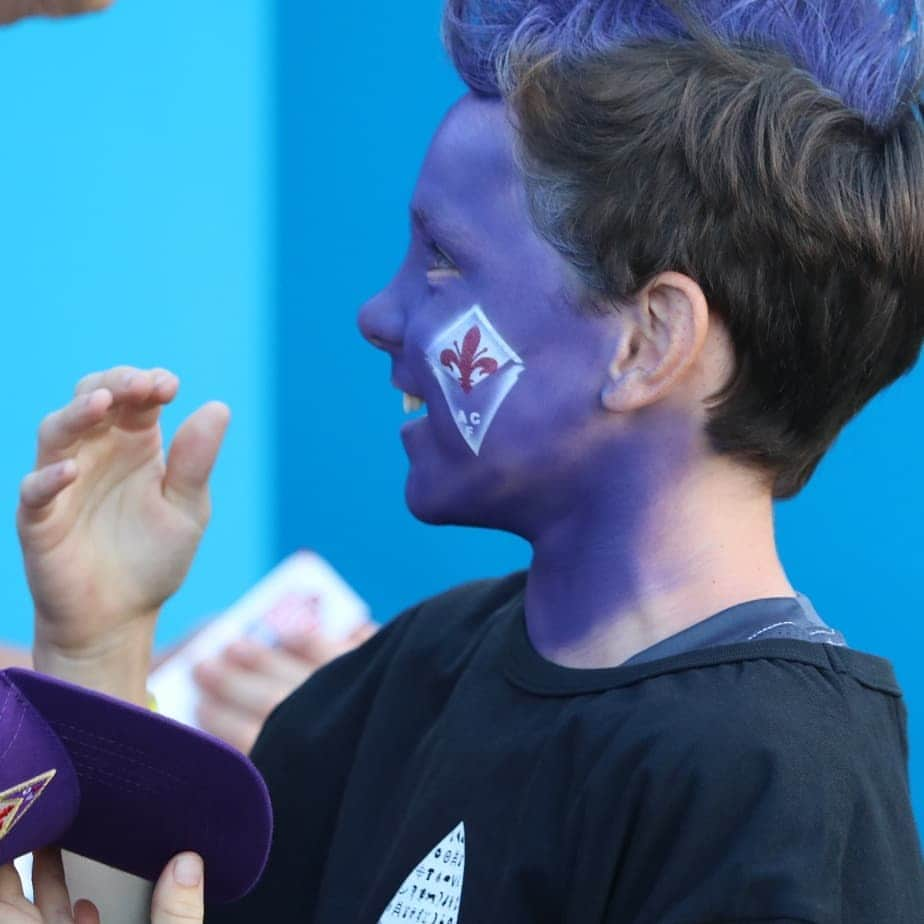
[802, 223]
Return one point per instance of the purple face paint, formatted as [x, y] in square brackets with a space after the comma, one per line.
[487, 325]
[479, 287]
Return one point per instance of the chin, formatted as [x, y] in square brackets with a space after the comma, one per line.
[428, 501]
[444, 499]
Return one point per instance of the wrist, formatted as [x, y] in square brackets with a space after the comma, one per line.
[117, 664]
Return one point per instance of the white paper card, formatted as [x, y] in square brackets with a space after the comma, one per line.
[303, 592]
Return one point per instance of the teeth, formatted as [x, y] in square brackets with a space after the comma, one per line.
[412, 403]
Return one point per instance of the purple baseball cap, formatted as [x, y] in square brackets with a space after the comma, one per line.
[124, 786]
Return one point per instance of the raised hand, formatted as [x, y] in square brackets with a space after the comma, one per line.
[11, 10]
[178, 895]
[109, 527]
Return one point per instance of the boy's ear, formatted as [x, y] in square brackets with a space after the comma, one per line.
[665, 327]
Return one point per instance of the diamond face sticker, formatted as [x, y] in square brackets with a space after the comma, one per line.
[476, 369]
[15, 802]
[433, 892]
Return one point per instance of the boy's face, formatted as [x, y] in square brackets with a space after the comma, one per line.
[483, 323]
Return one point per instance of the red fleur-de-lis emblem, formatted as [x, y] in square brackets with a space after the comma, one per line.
[469, 360]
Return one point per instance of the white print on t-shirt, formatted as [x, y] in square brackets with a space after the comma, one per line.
[432, 893]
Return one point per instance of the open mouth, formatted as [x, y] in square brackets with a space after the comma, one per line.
[412, 404]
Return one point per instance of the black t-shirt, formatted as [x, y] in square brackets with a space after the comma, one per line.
[446, 773]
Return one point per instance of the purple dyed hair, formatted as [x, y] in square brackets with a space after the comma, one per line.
[868, 53]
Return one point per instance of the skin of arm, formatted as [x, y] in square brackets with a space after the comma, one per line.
[108, 526]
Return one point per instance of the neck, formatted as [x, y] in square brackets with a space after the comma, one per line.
[617, 575]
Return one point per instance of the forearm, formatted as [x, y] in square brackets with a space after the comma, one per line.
[117, 665]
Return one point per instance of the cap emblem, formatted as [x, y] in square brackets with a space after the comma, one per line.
[15, 802]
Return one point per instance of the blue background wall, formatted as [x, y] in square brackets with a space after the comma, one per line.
[217, 187]
[135, 209]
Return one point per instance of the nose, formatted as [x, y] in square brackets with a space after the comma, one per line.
[381, 322]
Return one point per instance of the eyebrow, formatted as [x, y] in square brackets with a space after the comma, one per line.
[433, 226]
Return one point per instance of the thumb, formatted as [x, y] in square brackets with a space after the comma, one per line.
[193, 453]
[179, 893]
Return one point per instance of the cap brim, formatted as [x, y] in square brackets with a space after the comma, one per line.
[151, 788]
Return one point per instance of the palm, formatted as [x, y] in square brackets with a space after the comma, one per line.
[115, 524]
[118, 540]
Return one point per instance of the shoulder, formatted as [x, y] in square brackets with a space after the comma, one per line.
[768, 786]
[755, 728]
[811, 704]
[758, 750]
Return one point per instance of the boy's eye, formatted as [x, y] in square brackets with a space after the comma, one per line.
[439, 262]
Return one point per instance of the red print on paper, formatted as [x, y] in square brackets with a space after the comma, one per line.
[295, 614]
[469, 360]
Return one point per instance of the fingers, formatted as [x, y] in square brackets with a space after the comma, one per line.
[51, 895]
[239, 729]
[10, 890]
[129, 382]
[85, 912]
[314, 647]
[125, 396]
[317, 649]
[60, 432]
[362, 635]
[39, 489]
[289, 669]
[142, 396]
[252, 694]
[138, 394]
[242, 687]
[192, 457]
[179, 893]
[129, 397]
